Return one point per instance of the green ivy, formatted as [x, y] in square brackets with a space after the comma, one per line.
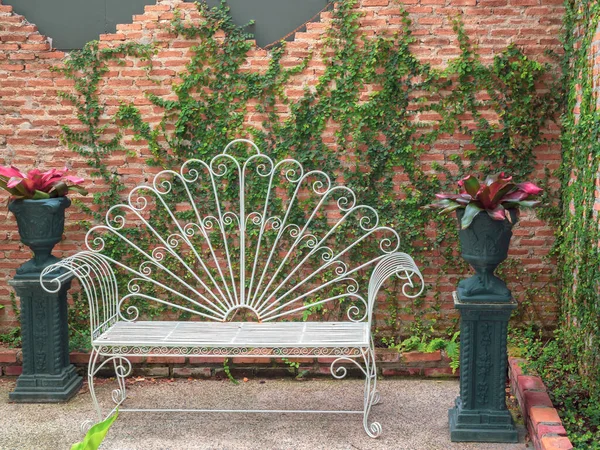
[570, 363]
[386, 132]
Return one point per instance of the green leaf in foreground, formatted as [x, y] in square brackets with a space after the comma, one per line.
[95, 435]
[470, 212]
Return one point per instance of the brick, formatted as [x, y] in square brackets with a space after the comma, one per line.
[325, 360]
[112, 37]
[13, 38]
[402, 372]
[515, 367]
[79, 357]
[148, 8]
[13, 371]
[193, 372]
[206, 360]
[411, 357]
[294, 360]
[165, 359]
[52, 55]
[159, 372]
[440, 372]
[129, 26]
[387, 355]
[8, 356]
[44, 46]
[250, 360]
[12, 67]
[535, 398]
[375, 2]
[556, 443]
[554, 430]
[540, 414]
[527, 382]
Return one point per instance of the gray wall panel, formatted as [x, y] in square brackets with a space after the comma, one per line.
[72, 23]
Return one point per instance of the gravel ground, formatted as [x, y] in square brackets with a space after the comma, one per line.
[413, 414]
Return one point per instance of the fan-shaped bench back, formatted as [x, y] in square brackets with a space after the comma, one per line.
[244, 233]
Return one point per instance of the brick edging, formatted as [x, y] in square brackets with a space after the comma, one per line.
[541, 418]
[390, 363]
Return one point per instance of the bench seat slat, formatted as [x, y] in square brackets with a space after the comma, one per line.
[236, 334]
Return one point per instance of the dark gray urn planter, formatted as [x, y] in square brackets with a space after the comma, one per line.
[41, 224]
[47, 374]
[484, 245]
[485, 305]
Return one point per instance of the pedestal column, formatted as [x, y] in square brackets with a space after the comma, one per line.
[47, 374]
[480, 413]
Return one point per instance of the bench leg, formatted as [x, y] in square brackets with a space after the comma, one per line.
[371, 394]
[88, 423]
[122, 368]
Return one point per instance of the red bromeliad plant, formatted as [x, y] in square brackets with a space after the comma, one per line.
[497, 194]
[38, 185]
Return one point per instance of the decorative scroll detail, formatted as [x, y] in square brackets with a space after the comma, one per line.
[500, 400]
[236, 234]
[484, 362]
[466, 331]
[229, 351]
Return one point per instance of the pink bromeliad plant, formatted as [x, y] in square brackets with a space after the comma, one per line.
[38, 185]
[496, 196]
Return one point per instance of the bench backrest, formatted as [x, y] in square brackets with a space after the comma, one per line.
[245, 233]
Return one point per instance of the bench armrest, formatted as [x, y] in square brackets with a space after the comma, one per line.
[98, 280]
[405, 268]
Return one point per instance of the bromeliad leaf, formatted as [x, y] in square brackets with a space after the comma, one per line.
[524, 204]
[39, 195]
[450, 208]
[37, 184]
[496, 195]
[498, 213]
[471, 185]
[470, 212]
[530, 188]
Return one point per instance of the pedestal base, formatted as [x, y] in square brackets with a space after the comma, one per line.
[47, 374]
[480, 414]
[481, 426]
[45, 388]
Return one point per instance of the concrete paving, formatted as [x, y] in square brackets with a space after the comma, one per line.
[413, 414]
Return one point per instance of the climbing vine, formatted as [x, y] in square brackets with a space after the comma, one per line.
[570, 363]
[372, 116]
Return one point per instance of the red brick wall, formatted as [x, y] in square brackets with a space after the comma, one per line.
[31, 113]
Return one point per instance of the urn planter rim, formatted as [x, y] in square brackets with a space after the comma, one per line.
[38, 200]
[514, 213]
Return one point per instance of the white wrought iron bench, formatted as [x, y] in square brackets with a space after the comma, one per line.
[280, 249]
